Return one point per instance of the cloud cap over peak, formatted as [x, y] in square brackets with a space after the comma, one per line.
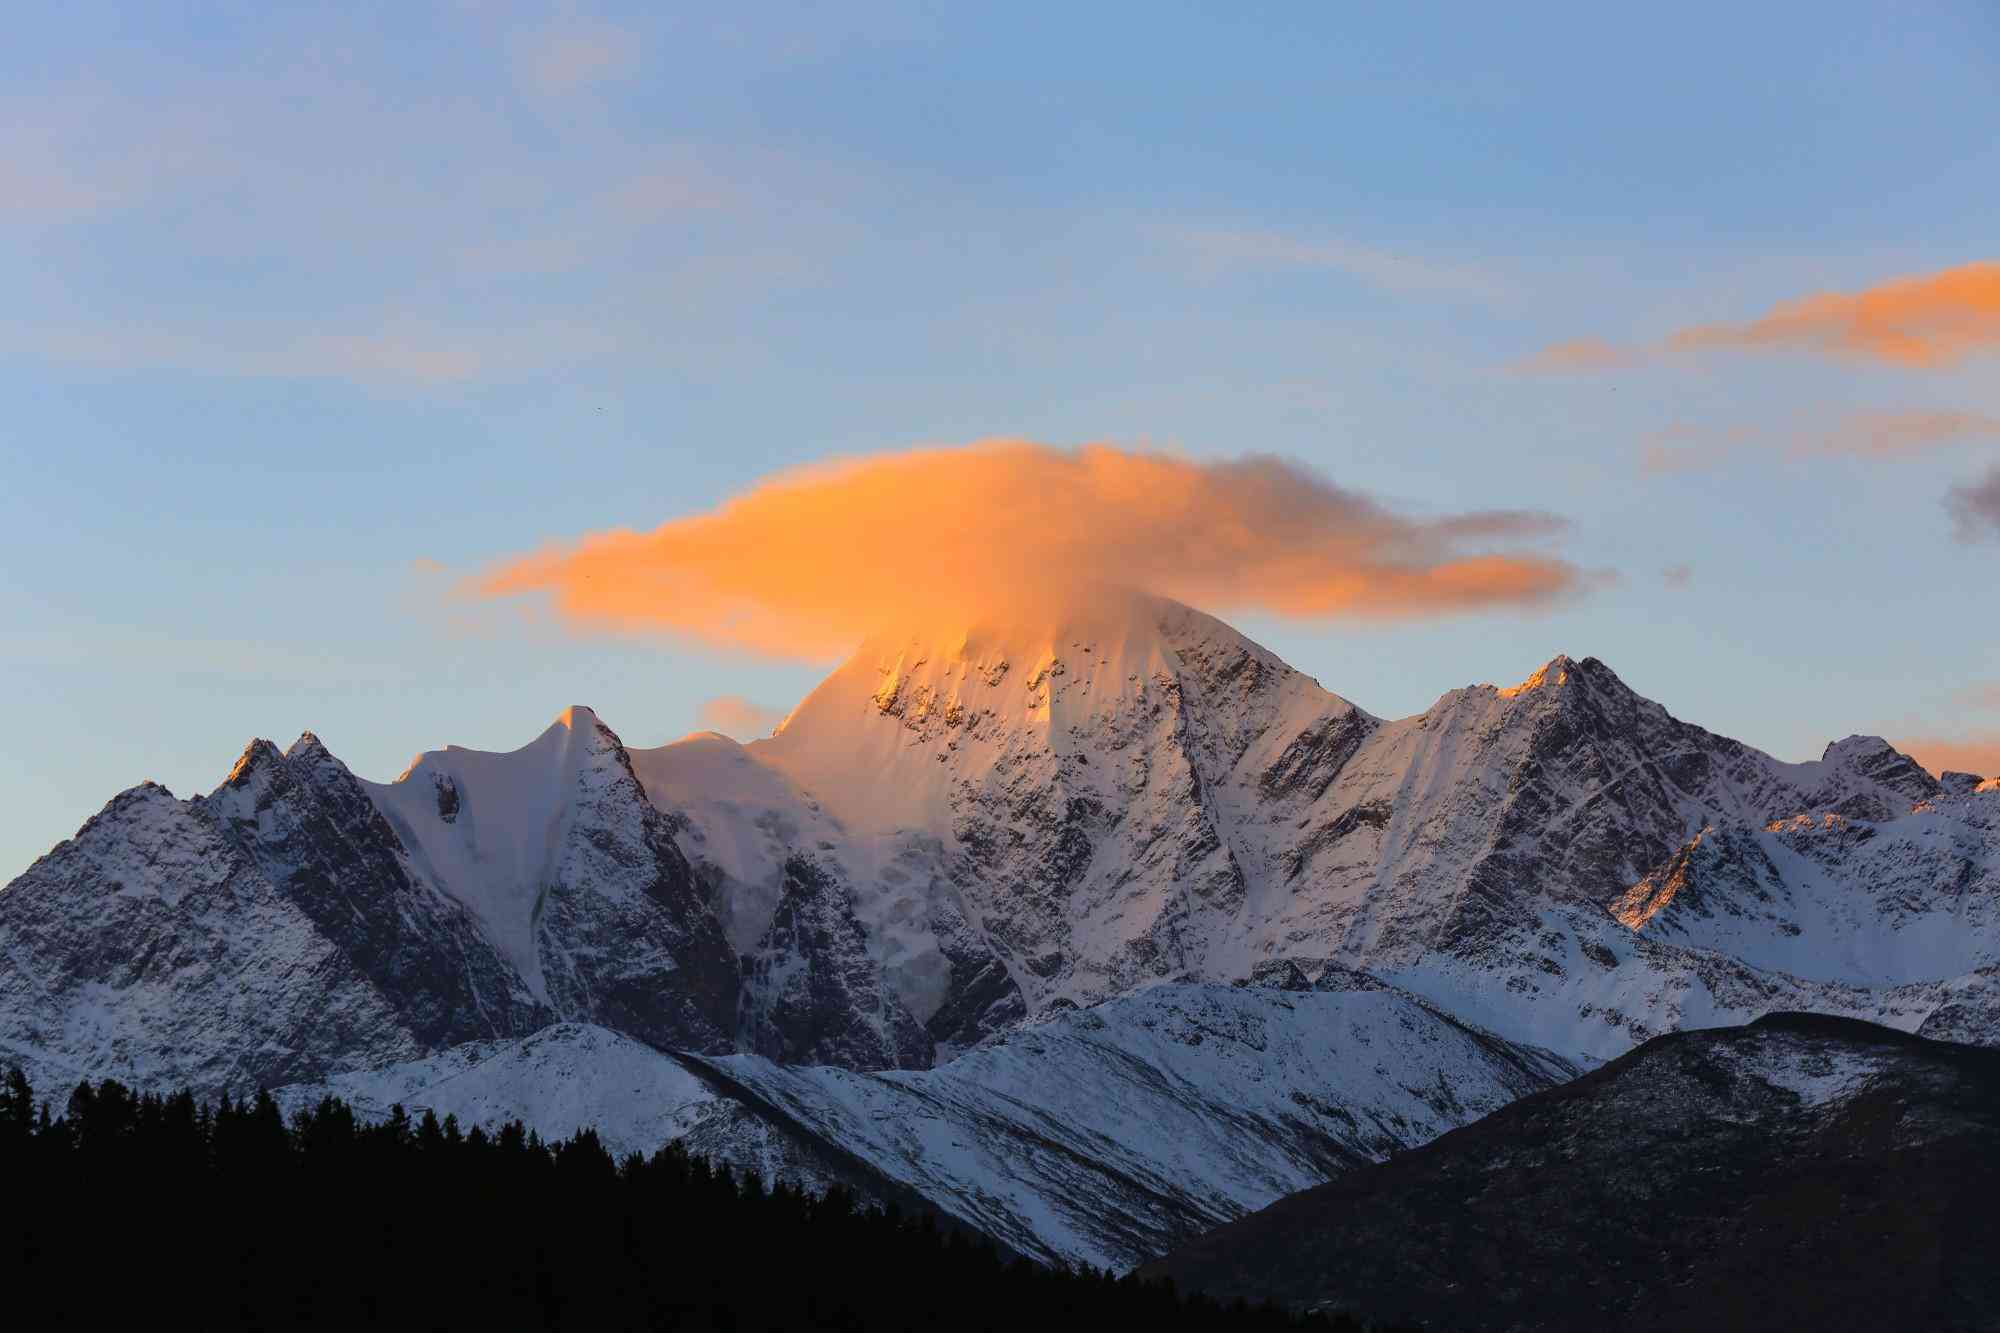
[807, 563]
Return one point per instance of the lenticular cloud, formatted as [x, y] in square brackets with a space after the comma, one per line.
[810, 561]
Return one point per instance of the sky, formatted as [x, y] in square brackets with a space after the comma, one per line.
[335, 337]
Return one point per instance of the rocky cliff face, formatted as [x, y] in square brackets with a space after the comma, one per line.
[814, 992]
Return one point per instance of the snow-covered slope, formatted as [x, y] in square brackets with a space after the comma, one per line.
[565, 1078]
[1020, 817]
[269, 931]
[298, 921]
[1022, 820]
[576, 880]
[1102, 1136]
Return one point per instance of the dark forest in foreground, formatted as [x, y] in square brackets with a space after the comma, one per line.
[130, 1205]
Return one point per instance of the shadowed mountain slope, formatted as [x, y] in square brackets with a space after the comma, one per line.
[1801, 1172]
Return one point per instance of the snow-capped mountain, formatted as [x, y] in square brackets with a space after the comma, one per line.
[1103, 1136]
[959, 839]
[1023, 821]
[298, 920]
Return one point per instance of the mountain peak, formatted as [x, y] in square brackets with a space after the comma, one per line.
[1882, 763]
[1552, 674]
[577, 717]
[1854, 747]
[309, 748]
[256, 756]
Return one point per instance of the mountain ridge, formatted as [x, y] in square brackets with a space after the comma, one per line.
[953, 844]
[1076, 814]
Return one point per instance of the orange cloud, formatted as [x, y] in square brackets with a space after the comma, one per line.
[1866, 434]
[734, 715]
[1969, 754]
[809, 562]
[1578, 355]
[1922, 323]
[1900, 434]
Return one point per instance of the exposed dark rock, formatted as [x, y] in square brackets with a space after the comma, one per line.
[815, 995]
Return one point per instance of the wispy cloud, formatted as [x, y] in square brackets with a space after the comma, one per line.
[1919, 322]
[1578, 356]
[569, 56]
[360, 251]
[1928, 322]
[734, 715]
[1974, 507]
[1220, 249]
[1890, 435]
[603, 222]
[808, 562]
[1684, 448]
[402, 352]
[1878, 435]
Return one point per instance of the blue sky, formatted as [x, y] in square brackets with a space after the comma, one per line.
[304, 303]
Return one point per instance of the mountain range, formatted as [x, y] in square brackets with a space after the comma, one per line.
[1093, 934]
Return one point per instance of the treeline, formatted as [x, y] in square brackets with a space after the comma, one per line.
[162, 1208]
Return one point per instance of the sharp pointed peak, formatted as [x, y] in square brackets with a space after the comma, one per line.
[1552, 674]
[256, 755]
[578, 717]
[581, 722]
[1563, 671]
